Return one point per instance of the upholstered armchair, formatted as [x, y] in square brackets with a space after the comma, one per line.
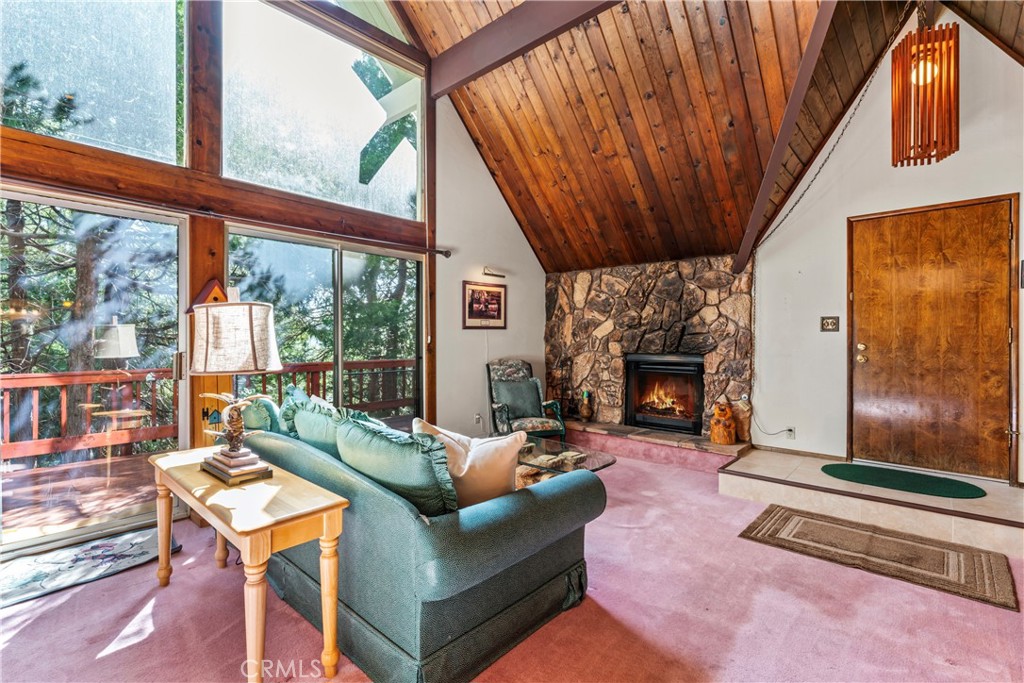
[517, 401]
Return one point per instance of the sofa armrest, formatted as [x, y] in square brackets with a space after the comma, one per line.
[463, 548]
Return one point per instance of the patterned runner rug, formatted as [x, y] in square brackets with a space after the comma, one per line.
[31, 576]
[959, 569]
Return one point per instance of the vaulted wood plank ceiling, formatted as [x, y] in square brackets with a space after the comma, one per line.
[1003, 20]
[856, 40]
[642, 135]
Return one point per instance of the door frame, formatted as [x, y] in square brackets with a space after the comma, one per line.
[1015, 284]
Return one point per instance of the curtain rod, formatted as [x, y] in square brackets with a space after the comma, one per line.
[209, 213]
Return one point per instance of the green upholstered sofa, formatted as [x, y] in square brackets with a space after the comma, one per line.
[440, 598]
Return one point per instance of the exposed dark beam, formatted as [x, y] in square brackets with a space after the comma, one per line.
[993, 38]
[332, 19]
[785, 134]
[512, 35]
[401, 15]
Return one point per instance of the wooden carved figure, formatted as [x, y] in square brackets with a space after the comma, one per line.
[723, 427]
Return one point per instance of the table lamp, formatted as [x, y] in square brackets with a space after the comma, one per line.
[234, 338]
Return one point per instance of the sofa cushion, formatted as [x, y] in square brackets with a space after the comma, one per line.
[262, 414]
[293, 398]
[317, 424]
[481, 469]
[521, 397]
[415, 466]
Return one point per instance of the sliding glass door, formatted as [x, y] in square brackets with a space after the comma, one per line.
[89, 328]
[381, 332]
[348, 322]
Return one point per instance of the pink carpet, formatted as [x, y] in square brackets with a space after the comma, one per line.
[674, 596]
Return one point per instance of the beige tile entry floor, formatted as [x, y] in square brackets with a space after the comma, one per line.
[783, 478]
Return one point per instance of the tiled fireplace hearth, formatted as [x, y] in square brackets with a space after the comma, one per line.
[695, 308]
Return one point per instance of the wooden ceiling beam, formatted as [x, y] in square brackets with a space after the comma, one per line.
[785, 134]
[512, 35]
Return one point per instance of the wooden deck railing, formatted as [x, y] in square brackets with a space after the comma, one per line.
[369, 385]
[85, 392]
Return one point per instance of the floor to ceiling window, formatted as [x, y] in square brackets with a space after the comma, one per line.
[89, 329]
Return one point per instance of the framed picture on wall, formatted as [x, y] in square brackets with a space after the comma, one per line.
[483, 306]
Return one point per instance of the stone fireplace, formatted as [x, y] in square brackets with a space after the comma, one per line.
[596, 318]
[665, 391]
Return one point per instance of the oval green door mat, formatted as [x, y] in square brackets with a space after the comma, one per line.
[901, 480]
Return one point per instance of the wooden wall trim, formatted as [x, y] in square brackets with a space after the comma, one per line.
[402, 15]
[507, 37]
[342, 24]
[430, 342]
[50, 162]
[204, 31]
[785, 134]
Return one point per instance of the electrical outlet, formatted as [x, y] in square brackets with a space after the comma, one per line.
[790, 432]
[477, 419]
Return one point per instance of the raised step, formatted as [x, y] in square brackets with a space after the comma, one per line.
[995, 522]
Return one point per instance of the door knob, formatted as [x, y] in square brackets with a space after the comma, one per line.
[862, 346]
[861, 358]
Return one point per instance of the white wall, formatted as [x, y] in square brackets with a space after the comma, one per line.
[474, 221]
[800, 272]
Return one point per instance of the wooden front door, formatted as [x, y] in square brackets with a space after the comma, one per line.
[933, 311]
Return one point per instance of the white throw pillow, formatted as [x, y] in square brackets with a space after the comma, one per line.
[481, 469]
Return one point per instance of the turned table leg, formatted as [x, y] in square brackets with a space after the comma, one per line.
[255, 620]
[329, 604]
[163, 526]
[221, 555]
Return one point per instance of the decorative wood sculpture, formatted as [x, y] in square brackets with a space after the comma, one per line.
[723, 427]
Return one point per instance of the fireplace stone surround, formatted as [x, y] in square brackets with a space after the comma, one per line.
[693, 306]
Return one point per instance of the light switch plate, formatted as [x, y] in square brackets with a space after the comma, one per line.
[830, 323]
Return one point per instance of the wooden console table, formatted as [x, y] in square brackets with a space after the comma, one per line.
[258, 518]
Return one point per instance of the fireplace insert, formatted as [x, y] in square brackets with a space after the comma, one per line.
[665, 391]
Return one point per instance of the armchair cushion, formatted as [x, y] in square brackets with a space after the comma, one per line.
[414, 466]
[521, 397]
[536, 424]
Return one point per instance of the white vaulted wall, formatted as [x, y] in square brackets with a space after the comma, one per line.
[800, 373]
[474, 221]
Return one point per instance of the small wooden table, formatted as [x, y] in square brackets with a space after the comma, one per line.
[259, 518]
[124, 418]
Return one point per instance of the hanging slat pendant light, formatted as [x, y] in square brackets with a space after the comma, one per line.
[926, 95]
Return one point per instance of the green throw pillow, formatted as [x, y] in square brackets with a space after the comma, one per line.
[262, 414]
[521, 397]
[415, 466]
[293, 398]
[317, 425]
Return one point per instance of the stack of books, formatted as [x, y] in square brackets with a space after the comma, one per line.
[234, 468]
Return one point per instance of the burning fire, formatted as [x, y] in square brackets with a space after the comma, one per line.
[663, 400]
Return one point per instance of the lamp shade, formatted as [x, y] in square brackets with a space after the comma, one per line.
[235, 338]
[115, 341]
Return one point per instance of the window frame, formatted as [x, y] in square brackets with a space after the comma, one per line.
[339, 247]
